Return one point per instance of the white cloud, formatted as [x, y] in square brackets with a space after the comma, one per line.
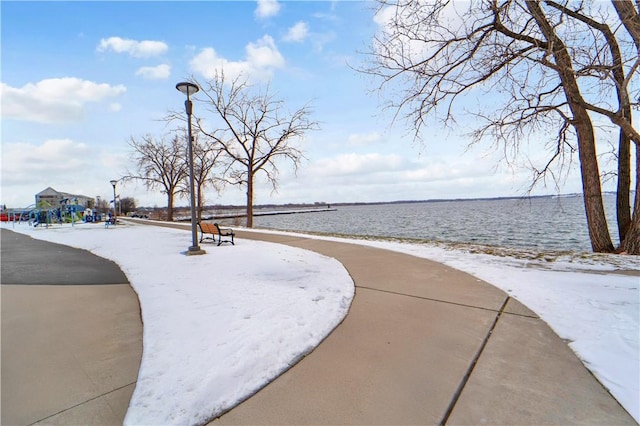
[264, 53]
[452, 17]
[384, 16]
[298, 33]
[441, 171]
[139, 49]
[64, 164]
[354, 164]
[370, 168]
[321, 39]
[385, 177]
[331, 17]
[362, 139]
[267, 9]
[262, 57]
[54, 100]
[24, 163]
[159, 72]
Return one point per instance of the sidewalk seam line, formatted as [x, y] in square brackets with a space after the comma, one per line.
[432, 299]
[82, 403]
[472, 366]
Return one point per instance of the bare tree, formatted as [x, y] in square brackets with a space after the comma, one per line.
[127, 205]
[205, 159]
[630, 18]
[102, 205]
[160, 165]
[551, 66]
[253, 130]
[614, 67]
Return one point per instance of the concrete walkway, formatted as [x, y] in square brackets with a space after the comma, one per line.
[427, 344]
[71, 335]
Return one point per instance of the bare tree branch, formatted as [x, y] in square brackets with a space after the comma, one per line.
[252, 129]
[548, 67]
[160, 164]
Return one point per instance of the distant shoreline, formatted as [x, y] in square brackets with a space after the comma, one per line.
[374, 203]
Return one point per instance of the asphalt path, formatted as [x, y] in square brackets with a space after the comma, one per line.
[71, 335]
[26, 261]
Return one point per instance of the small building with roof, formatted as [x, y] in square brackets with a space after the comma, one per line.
[52, 198]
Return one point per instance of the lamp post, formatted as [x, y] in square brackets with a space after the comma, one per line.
[115, 212]
[190, 89]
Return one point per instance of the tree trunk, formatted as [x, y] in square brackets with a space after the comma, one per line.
[581, 122]
[170, 207]
[623, 207]
[631, 242]
[199, 202]
[250, 199]
[591, 188]
[630, 18]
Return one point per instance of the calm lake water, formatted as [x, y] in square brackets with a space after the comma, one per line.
[538, 223]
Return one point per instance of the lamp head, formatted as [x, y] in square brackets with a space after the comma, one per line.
[187, 88]
[113, 182]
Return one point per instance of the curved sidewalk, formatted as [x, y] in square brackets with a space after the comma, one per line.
[71, 335]
[427, 344]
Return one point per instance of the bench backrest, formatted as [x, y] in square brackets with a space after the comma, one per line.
[208, 228]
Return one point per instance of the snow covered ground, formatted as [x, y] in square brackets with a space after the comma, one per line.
[216, 327]
[212, 342]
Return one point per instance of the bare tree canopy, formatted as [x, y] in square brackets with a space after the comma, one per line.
[253, 130]
[550, 69]
[127, 205]
[205, 159]
[160, 164]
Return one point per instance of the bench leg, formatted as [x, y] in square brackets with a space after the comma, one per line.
[203, 236]
[220, 240]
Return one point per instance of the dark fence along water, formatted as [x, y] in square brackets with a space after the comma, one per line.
[548, 223]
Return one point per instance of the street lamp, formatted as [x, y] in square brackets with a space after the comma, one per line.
[190, 89]
[115, 212]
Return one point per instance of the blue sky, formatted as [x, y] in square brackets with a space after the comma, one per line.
[80, 78]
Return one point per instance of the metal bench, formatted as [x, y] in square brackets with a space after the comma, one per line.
[213, 229]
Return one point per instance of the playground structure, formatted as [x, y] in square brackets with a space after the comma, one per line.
[45, 215]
